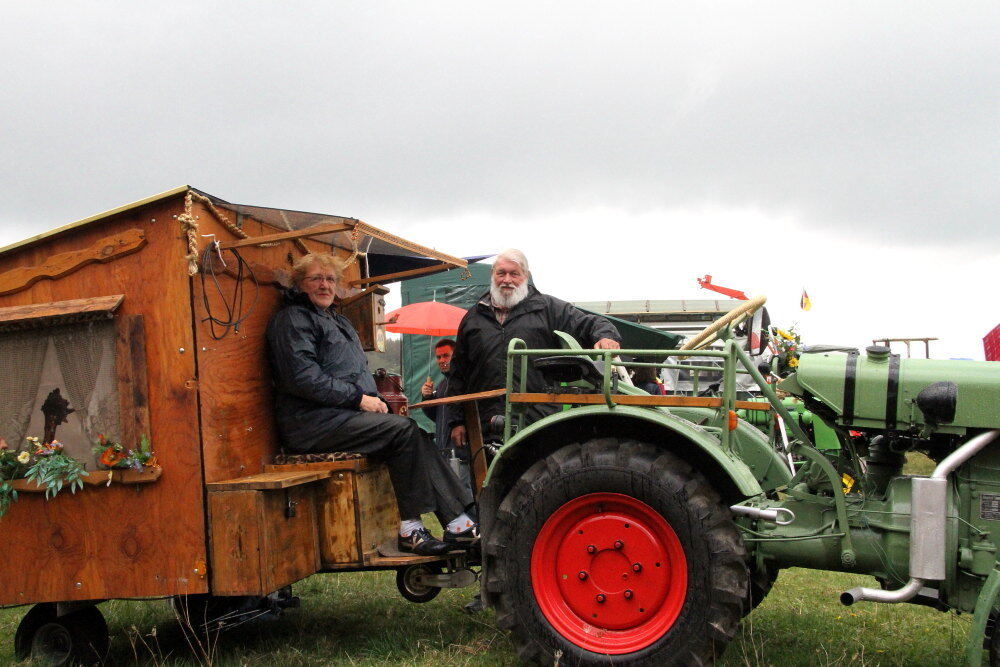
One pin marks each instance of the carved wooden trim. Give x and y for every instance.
(65, 263)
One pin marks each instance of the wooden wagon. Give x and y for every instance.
(149, 321)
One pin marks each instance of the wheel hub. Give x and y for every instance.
(609, 573)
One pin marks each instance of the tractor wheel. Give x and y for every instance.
(615, 551)
(761, 581)
(80, 637)
(410, 588)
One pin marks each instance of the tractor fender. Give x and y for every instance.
(731, 477)
(750, 446)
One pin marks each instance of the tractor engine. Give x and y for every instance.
(935, 537)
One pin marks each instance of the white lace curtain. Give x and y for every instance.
(85, 355)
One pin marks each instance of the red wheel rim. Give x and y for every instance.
(609, 573)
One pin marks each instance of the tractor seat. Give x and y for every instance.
(569, 369)
(284, 459)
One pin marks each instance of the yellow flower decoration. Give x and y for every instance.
(23, 457)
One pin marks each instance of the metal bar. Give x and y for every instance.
(984, 605)
(607, 379)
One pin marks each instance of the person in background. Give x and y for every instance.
(326, 401)
(647, 379)
(443, 351)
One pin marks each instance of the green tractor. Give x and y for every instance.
(637, 529)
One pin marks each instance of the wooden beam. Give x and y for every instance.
(133, 386)
(461, 398)
(389, 277)
(477, 457)
(315, 230)
(65, 263)
(622, 399)
(59, 312)
(269, 481)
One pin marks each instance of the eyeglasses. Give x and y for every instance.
(316, 280)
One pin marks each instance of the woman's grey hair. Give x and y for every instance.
(516, 256)
(325, 260)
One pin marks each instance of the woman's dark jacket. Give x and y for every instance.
(480, 358)
(320, 371)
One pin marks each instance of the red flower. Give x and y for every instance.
(110, 457)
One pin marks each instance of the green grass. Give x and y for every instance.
(360, 619)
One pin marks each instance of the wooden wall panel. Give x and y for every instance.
(119, 541)
(238, 429)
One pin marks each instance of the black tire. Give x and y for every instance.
(37, 616)
(661, 487)
(80, 637)
(761, 582)
(410, 589)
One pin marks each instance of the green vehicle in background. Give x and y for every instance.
(639, 529)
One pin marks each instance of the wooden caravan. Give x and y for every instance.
(149, 321)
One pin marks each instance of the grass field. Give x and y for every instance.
(360, 619)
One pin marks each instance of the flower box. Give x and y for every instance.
(99, 478)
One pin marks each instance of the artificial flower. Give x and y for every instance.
(23, 457)
(111, 457)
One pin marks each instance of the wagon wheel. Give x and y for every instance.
(614, 550)
(80, 637)
(413, 590)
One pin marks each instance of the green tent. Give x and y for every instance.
(447, 287)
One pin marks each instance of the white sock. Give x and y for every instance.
(460, 523)
(407, 526)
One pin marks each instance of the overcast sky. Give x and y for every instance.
(627, 148)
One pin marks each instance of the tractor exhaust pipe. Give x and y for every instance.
(912, 587)
(769, 515)
(928, 512)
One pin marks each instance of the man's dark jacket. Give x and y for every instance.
(442, 421)
(320, 371)
(480, 358)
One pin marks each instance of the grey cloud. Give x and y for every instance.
(881, 122)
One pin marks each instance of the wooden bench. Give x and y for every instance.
(355, 506)
(263, 531)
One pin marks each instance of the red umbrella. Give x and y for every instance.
(430, 318)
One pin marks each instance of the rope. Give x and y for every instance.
(189, 225)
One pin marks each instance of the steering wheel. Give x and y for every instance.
(707, 335)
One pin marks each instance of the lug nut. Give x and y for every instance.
(619, 544)
(637, 567)
(600, 598)
(628, 594)
(591, 549)
(582, 575)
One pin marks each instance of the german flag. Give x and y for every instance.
(805, 303)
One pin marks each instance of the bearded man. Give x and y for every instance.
(514, 309)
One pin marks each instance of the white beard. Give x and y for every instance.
(508, 300)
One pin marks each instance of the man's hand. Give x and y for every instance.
(373, 404)
(459, 437)
(427, 389)
(607, 344)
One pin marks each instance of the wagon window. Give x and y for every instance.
(60, 378)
